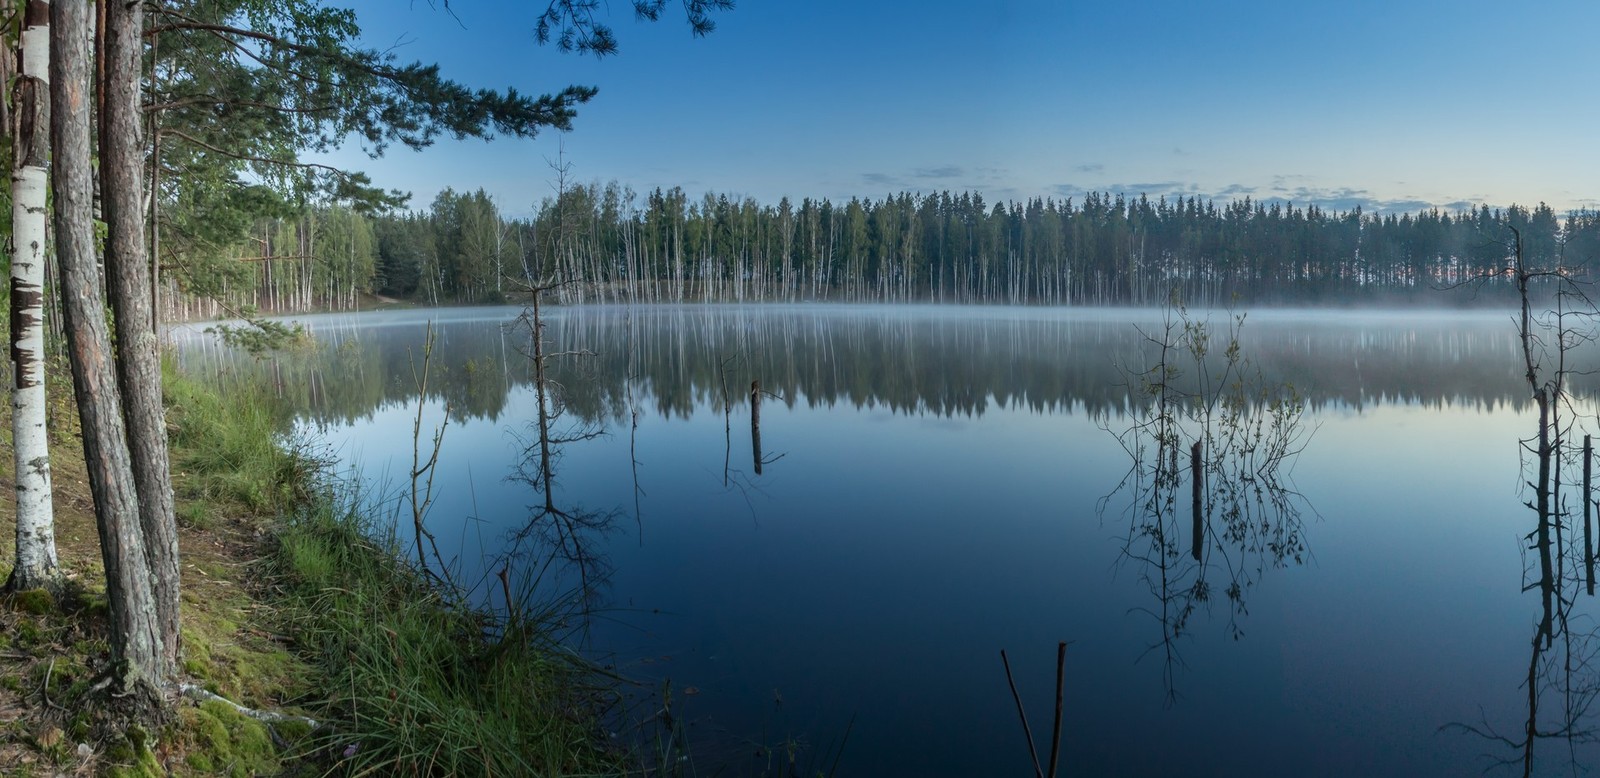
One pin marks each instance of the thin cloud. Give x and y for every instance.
(1090, 168)
(1345, 199)
(1401, 206)
(946, 171)
(1150, 189)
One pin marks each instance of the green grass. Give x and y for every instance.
(231, 453)
(418, 684)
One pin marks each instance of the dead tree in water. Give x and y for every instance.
(422, 473)
(760, 459)
(1561, 661)
(733, 478)
(1197, 479)
(1588, 505)
(1546, 390)
(1245, 517)
(568, 531)
(755, 424)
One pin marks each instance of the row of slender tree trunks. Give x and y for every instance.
(907, 248)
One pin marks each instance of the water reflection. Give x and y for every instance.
(1212, 423)
(1562, 683)
(937, 502)
(571, 535)
(957, 364)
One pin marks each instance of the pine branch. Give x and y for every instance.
(215, 100)
(262, 160)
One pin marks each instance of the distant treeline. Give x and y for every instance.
(667, 247)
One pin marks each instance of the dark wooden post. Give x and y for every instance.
(1061, 680)
(1559, 515)
(1547, 578)
(1196, 476)
(755, 424)
(1588, 505)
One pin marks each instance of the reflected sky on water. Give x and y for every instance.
(932, 494)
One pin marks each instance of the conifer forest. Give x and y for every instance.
(666, 246)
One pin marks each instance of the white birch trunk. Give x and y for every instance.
(36, 565)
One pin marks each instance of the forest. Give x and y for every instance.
(665, 246)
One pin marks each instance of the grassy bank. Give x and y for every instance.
(416, 681)
(292, 604)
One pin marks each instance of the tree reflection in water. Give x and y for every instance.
(958, 363)
(568, 536)
(1562, 682)
(1210, 422)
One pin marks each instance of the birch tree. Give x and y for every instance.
(36, 565)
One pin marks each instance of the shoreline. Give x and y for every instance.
(260, 528)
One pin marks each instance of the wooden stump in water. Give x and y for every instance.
(1197, 477)
(755, 424)
(1588, 542)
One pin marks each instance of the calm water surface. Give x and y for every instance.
(933, 489)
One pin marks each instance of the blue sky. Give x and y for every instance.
(1392, 105)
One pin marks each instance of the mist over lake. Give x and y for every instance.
(929, 485)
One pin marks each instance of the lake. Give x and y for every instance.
(936, 484)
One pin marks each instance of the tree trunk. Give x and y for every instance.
(36, 565)
(546, 467)
(136, 645)
(129, 281)
(755, 425)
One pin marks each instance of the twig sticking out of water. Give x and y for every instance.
(422, 488)
(1022, 714)
(1055, 738)
(1055, 734)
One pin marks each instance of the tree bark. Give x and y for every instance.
(128, 279)
(136, 645)
(36, 565)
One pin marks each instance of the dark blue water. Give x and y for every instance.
(934, 489)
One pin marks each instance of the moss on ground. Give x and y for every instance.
(35, 601)
(228, 742)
